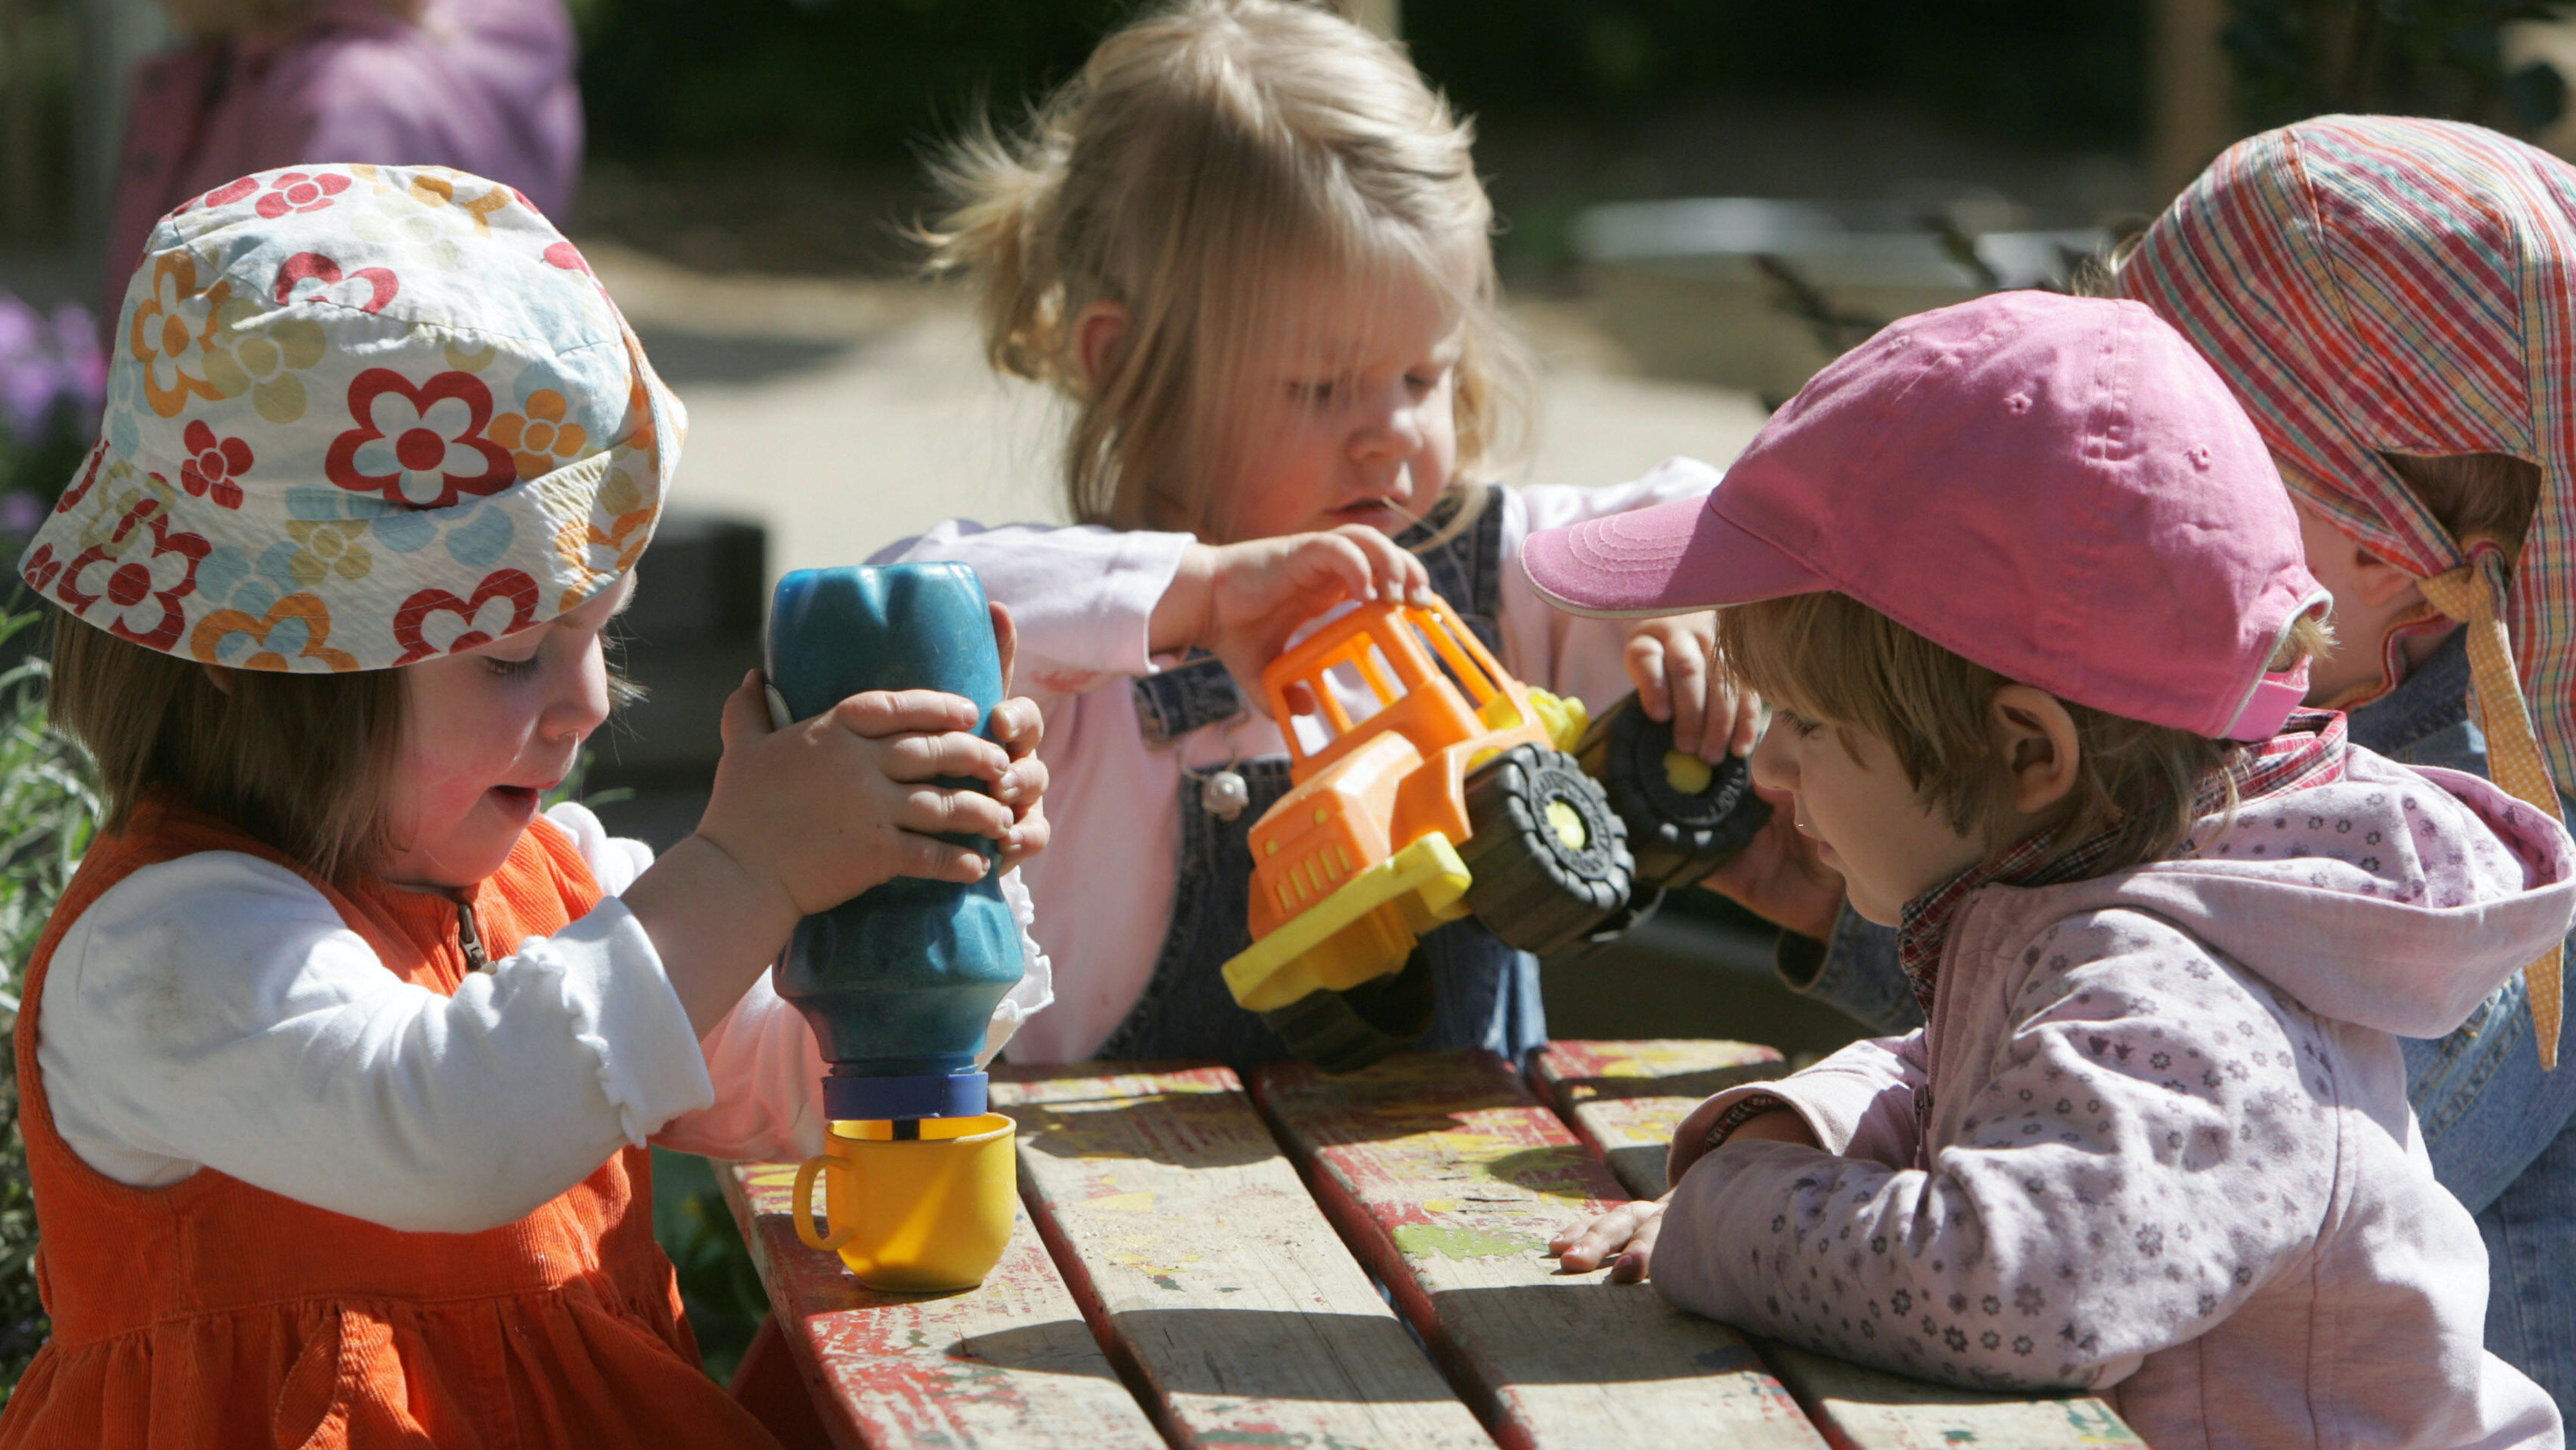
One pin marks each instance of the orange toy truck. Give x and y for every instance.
(1453, 795)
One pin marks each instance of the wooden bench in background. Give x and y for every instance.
(1222, 1245)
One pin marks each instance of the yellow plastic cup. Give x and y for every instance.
(914, 1216)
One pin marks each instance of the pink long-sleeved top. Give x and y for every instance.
(2154, 1140)
(1083, 598)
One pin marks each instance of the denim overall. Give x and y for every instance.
(1485, 994)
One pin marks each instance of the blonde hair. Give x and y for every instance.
(1837, 661)
(1212, 161)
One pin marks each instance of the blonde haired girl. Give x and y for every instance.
(1248, 245)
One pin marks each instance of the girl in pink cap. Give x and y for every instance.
(2394, 301)
(2027, 595)
(1247, 244)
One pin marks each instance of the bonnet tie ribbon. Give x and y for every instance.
(2474, 594)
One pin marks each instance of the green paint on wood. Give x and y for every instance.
(1419, 1239)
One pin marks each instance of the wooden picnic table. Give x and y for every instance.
(1332, 1262)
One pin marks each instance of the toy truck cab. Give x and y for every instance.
(1453, 794)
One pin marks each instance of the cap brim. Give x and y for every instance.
(1669, 559)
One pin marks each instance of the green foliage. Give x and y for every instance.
(717, 1281)
(2298, 58)
(49, 807)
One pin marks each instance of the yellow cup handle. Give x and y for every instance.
(800, 1206)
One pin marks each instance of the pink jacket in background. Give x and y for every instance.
(2154, 1140)
(484, 86)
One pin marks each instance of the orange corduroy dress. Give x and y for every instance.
(212, 1315)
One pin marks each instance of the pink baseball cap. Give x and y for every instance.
(2059, 489)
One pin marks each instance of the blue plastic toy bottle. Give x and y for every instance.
(900, 982)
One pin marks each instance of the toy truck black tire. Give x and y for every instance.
(1674, 837)
(1346, 1031)
(1532, 887)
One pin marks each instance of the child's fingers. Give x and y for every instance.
(1006, 640)
(935, 860)
(1385, 570)
(1716, 721)
(1748, 723)
(1019, 726)
(1637, 1260)
(920, 757)
(1031, 835)
(1686, 677)
(947, 811)
(880, 713)
(1023, 785)
(1645, 661)
(746, 711)
(1344, 556)
(1587, 1246)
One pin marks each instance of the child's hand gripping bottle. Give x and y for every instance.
(900, 982)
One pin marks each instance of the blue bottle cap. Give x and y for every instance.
(882, 1099)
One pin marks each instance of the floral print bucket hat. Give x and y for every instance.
(358, 416)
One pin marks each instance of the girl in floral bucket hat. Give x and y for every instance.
(338, 1055)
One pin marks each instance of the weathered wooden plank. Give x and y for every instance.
(1868, 1409)
(1229, 1298)
(1447, 1178)
(1625, 1098)
(1009, 1364)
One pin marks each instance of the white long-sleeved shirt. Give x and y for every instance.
(1084, 599)
(215, 1011)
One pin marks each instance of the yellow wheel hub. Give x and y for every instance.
(1567, 823)
(1686, 774)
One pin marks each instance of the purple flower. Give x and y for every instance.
(84, 366)
(46, 365)
(29, 376)
(20, 512)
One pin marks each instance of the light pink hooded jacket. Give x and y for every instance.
(2154, 1140)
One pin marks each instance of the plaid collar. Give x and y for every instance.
(2309, 751)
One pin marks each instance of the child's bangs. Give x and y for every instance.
(1834, 660)
(1814, 654)
(1302, 306)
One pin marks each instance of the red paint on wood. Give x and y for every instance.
(1229, 1303)
(1447, 1178)
(1006, 1364)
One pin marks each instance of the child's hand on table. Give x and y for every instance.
(1241, 602)
(1625, 1236)
(1672, 660)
